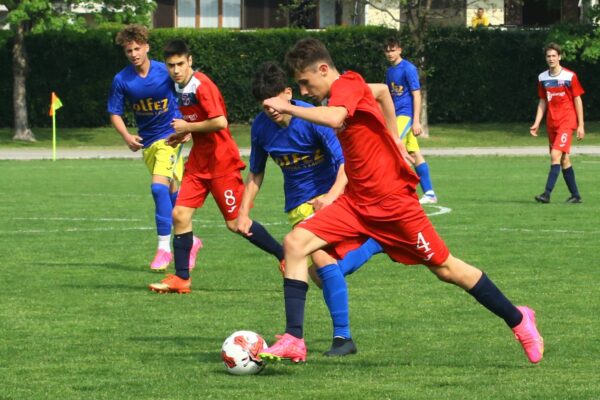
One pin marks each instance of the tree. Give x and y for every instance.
(574, 41)
(416, 16)
(27, 16)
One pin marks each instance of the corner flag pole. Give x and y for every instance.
(55, 104)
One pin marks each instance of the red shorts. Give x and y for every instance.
(398, 223)
(560, 139)
(227, 191)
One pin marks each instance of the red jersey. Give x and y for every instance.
(559, 91)
(373, 163)
(213, 154)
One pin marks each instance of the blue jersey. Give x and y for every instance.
(401, 80)
(152, 99)
(309, 155)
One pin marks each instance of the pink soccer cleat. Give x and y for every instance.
(194, 252)
(161, 261)
(526, 333)
(287, 347)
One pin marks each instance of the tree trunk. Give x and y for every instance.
(424, 111)
(22, 131)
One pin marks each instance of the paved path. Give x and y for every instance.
(112, 152)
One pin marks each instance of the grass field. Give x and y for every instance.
(443, 135)
(79, 323)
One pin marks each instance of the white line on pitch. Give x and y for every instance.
(544, 230)
(77, 219)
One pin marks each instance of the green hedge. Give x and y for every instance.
(483, 75)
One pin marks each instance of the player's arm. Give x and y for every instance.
(416, 125)
(251, 189)
(134, 142)
(384, 99)
(333, 117)
(183, 128)
(334, 192)
(539, 114)
(579, 111)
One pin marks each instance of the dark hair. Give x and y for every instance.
(305, 53)
(176, 47)
(132, 33)
(391, 42)
(553, 46)
(269, 81)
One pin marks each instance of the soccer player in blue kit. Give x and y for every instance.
(311, 160)
(402, 79)
(145, 84)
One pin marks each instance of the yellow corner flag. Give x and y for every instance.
(55, 104)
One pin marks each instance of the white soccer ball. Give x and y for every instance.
(240, 353)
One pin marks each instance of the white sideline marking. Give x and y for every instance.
(441, 210)
(544, 230)
(203, 223)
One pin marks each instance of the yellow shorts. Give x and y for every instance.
(404, 124)
(300, 213)
(160, 158)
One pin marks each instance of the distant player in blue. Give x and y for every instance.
(147, 87)
(402, 79)
(312, 163)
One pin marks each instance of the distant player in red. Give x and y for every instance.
(213, 166)
(560, 99)
(380, 201)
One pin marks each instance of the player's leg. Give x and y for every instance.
(569, 176)
(520, 319)
(335, 294)
(557, 150)
(227, 192)
(421, 168)
(192, 195)
(297, 245)
(160, 164)
(356, 258)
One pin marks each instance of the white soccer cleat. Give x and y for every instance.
(428, 199)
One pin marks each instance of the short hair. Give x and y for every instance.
(132, 33)
(553, 46)
(305, 53)
(269, 81)
(176, 47)
(392, 42)
(480, 9)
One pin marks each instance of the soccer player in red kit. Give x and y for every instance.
(380, 201)
(213, 166)
(560, 93)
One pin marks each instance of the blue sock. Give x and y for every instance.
(489, 296)
(335, 293)
(262, 239)
(182, 244)
(569, 175)
(163, 208)
(174, 197)
(423, 172)
(552, 177)
(356, 258)
(294, 293)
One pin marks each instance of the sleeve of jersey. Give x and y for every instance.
(330, 142)
(116, 98)
(541, 91)
(258, 155)
(346, 93)
(576, 87)
(209, 97)
(413, 78)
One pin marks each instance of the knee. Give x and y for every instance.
(292, 244)
(232, 225)
(179, 217)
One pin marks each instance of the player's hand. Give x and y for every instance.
(320, 202)
(180, 126)
(134, 142)
(174, 139)
(186, 138)
(243, 225)
(580, 133)
(533, 130)
(275, 104)
(417, 128)
(403, 152)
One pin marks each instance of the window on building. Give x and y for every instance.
(209, 13)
